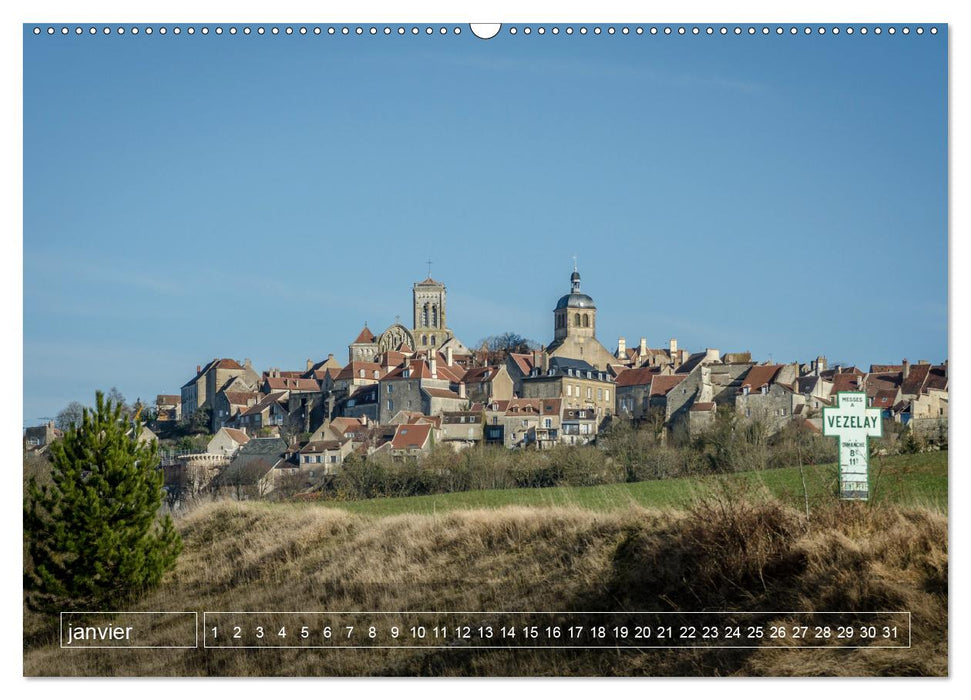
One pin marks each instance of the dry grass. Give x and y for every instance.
(731, 551)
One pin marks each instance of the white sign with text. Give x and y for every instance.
(853, 424)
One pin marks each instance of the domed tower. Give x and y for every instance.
(575, 314)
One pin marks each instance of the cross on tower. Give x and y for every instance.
(853, 424)
(429, 268)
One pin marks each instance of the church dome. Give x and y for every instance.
(575, 300)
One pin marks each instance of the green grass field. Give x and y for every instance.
(918, 479)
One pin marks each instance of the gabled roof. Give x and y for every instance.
(759, 376)
(662, 384)
(241, 398)
(478, 375)
(168, 399)
(693, 361)
(915, 379)
(885, 398)
(318, 446)
(264, 403)
(353, 370)
(410, 436)
(365, 336)
(937, 378)
(420, 369)
(640, 376)
(238, 436)
(703, 406)
(535, 407)
(885, 369)
(806, 385)
(523, 362)
(845, 381)
(292, 384)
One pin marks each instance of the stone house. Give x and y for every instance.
(461, 429)
(361, 404)
(227, 442)
(325, 456)
(633, 388)
(410, 441)
(576, 383)
(421, 386)
(250, 473)
(229, 404)
(200, 391)
(484, 383)
(168, 408)
(269, 412)
(520, 365)
(532, 421)
(765, 396)
(579, 426)
(38, 438)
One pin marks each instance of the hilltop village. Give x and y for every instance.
(403, 390)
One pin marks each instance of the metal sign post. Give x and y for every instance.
(853, 424)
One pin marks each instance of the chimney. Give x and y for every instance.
(330, 356)
(643, 347)
(673, 346)
(247, 364)
(462, 390)
(448, 356)
(621, 347)
(906, 368)
(309, 364)
(364, 419)
(198, 369)
(433, 367)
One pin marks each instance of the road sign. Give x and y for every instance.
(853, 424)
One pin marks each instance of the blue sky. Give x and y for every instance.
(188, 197)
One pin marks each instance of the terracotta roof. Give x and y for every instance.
(536, 407)
(914, 381)
(937, 378)
(237, 435)
(353, 370)
(292, 384)
(283, 373)
(759, 376)
(845, 381)
(265, 403)
(882, 381)
(500, 406)
(365, 336)
(524, 362)
(662, 384)
(226, 363)
(318, 446)
(419, 369)
(241, 398)
(885, 398)
(704, 406)
(477, 375)
(883, 369)
(641, 376)
(410, 436)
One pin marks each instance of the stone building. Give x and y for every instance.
(429, 331)
(576, 382)
(575, 329)
(200, 391)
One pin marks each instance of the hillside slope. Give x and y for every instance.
(729, 552)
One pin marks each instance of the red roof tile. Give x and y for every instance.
(292, 384)
(365, 336)
(238, 436)
(759, 376)
(410, 436)
(662, 384)
(641, 376)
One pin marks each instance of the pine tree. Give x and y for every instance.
(93, 535)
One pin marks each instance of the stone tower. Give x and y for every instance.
(575, 328)
(429, 329)
(575, 314)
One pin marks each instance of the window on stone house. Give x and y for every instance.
(390, 405)
(433, 340)
(606, 394)
(569, 390)
(576, 320)
(319, 459)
